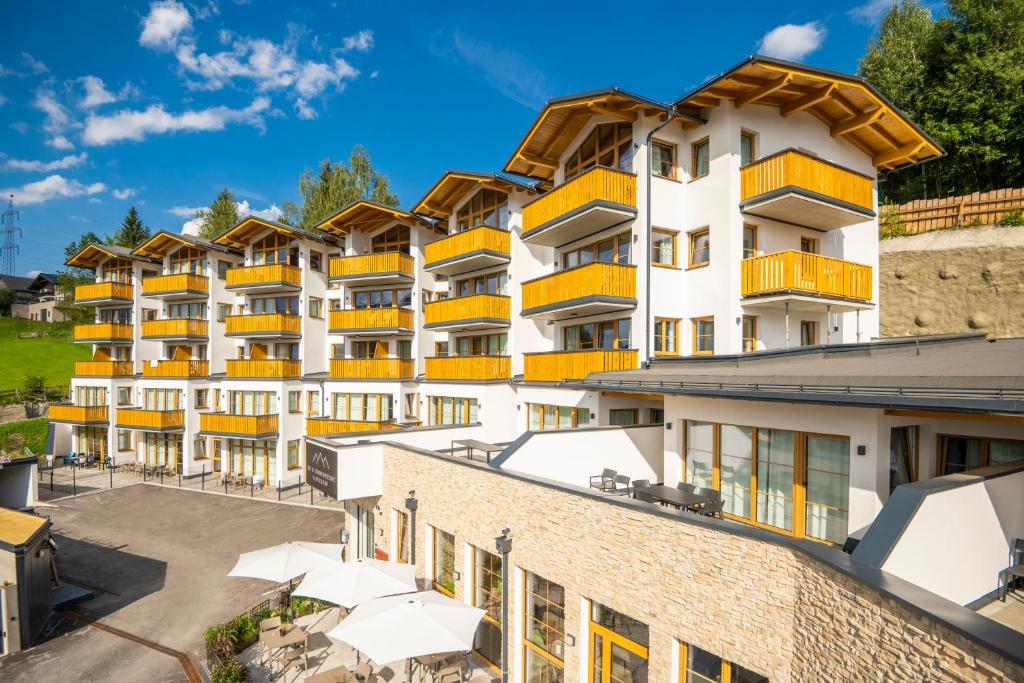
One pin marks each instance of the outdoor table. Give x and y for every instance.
(680, 499)
(286, 637)
(338, 674)
(472, 445)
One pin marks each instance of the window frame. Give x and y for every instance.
(674, 235)
(813, 326)
(295, 402)
(695, 323)
(665, 322)
(317, 303)
(435, 533)
(752, 136)
(749, 253)
(752, 319)
(692, 236)
(674, 151)
(986, 444)
(694, 147)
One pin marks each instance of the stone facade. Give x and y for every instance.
(766, 606)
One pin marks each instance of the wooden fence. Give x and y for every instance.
(980, 208)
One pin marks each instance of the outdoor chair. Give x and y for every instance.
(451, 672)
(289, 659)
(620, 486)
(604, 481)
(1008, 577)
(640, 484)
(363, 671)
(683, 486)
(712, 509)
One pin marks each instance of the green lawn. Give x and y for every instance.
(53, 356)
(34, 432)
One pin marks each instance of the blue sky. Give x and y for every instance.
(160, 104)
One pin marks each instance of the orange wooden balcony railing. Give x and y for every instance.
(555, 366)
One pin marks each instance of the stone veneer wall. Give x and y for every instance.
(767, 607)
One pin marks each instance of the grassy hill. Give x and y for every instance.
(33, 431)
(53, 356)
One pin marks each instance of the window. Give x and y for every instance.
(187, 260)
(395, 238)
(544, 631)
(748, 150)
(486, 207)
(749, 334)
(704, 336)
(902, 456)
(655, 416)
(444, 562)
(124, 439)
(448, 410)
(253, 457)
(362, 407)
(808, 332)
(223, 311)
(493, 283)
(275, 248)
(124, 315)
(161, 449)
(412, 407)
(623, 417)
(441, 349)
(401, 537)
(201, 398)
(338, 350)
(293, 454)
(252, 403)
(608, 144)
(700, 666)
(663, 159)
(749, 240)
(700, 248)
(609, 335)
(663, 247)
(316, 261)
(487, 596)
(382, 298)
(483, 345)
(666, 331)
(312, 403)
(543, 417)
(701, 159)
(316, 307)
(288, 305)
(808, 245)
(222, 269)
(193, 311)
(163, 399)
(124, 396)
(961, 453)
(618, 646)
(613, 249)
(199, 448)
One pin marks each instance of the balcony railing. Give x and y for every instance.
(796, 271)
(104, 368)
(62, 412)
(176, 283)
(370, 319)
(159, 420)
(555, 366)
(793, 168)
(476, 310)
(476, 247)
(255, 426)
(323, 426)
(272, 275)
(392, 264)
(262, 324)
(372, 368)
(177, 368)
(605, 190)
(176, 328)
(608, 285)
(103, 332)
(479, 368)
(264, 369)
(104, 291)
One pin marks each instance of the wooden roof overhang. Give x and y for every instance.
(160, 244)
(251, 227)
(440, 200)
(369, 216)
(563, 119)
(91, 255)
(850, 107)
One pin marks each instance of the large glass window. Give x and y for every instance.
(275, 248)
(701, 159)
(191, 311)
(608, 144)
(188, 260)
(483, 345)
(382, 298)
(828, 487)
(486, 207)
(610, 334)
(618, 647)
(444, 562)
(962, 453)
(487, 596)
(663, 247)
(735, 469)
(700, 441)
(544, 631)
(252, 402)
(163, 399)
(492, 283)
(700, 666)
(402, 539)
(395, 238)
(276, 304)
(902, 456)
(776, 462)
(362, 407)
(663, 159)
(449, 410)
(253, 458)
(543, 417)
(614, 249)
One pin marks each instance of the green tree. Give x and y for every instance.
(334, 186)
(895, 61)
(219, 217)
(7, 296)
(68, 279)
(132, 232)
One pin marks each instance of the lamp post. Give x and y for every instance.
(504, 546)
(410, 505)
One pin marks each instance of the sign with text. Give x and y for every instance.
(322, 469)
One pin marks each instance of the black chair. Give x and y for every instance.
(712, 509)
(1008, 577)
(604, 481)
(683, 486)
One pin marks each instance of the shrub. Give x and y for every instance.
(246, 630)
(1012, 218)
(892, 224)
(34, 387)
(299, 606)
(230, 670)
(220, 642)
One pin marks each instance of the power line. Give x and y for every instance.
(9, 233)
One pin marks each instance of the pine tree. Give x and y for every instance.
(132, 232)
(219, 217)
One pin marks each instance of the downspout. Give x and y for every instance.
(670, 113)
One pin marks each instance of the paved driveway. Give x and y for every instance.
(157, 560)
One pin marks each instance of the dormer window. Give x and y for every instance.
(117, 270)
(609, 145)
(487, 207)
(188, 260)
(395, 238)
(275, 248)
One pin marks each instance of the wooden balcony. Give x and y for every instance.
(104, 368)
(177, 368)
(151, 420)
(810, 280)
(387, 268)
(104, 293)
(795, 187)
(477, 311)
(79, 415)
(323, 426)
(592, 289)
(264, 369)
(272, 277)
(177, 328)
(176, 286)
(372, 321)
(592, 201)
(263, 325)
(555, 366)
(246, 426)
(469, 368)
(472, 249)
(104, 332)
(372, 368)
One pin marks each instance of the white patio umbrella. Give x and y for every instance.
(284, 562)
(406, 626)
(357, 581)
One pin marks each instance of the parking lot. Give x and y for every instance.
(156, 559)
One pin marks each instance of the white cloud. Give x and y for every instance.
(136, 125)
(70, 161)
(57, 117)
(792, 41)
(20, 126)
(51, 187)
(360, 42)
(95, 200)
(271, 213)
(78, 219)
(166, 20)
(126, 193)
(96, 93)
(870, 12)
(34, 66)
(374, 74)
(60, 142)
(185, 211)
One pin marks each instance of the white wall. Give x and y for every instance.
(427, 438)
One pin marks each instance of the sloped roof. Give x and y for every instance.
(91, 255)
(162, 242)
(250, 226)
(368, 216)
(440, 200)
